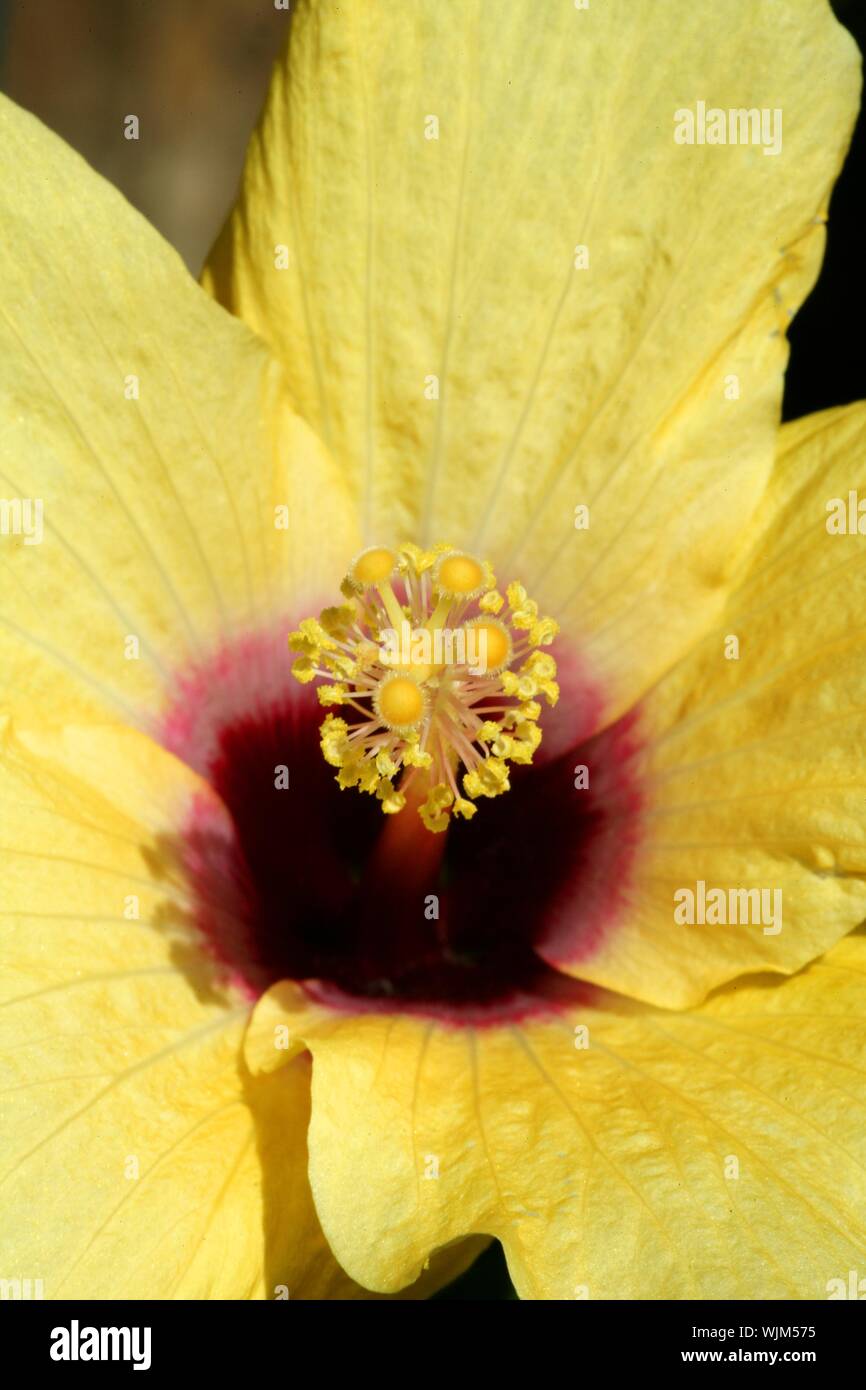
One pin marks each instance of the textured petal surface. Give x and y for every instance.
(716, 1154)
(406, 240)
(750, 755)
(152, 432)
(139, 1158)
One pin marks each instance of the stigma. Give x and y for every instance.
(438, 676)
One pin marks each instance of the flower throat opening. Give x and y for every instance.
(439, 676)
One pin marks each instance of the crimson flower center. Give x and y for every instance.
(293, 877)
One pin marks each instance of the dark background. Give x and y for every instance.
(828, 336)
(195, 74)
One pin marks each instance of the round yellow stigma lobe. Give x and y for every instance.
(400, 703)
(459, 575)
(373, 566)
(492, 643)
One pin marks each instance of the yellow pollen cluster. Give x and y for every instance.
(437, 672)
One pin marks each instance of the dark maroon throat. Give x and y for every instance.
(311, 883)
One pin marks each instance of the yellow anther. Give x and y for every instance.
(340, 665)
(530, 709)
(524, 618)
(334, 739)
(526, 740)
(434, 811)
(490, 778)
(358, 771)
(539, 664)
(304, 645)
(392, 801)
(304, 670)
(520, 686)
(337, 621)
(456, 711)
(385, 765)
(413, 756)
(516, 595)
(313, 630)
(412, 557)
(542, 633)
(367, 654)
(332, 694)
(489, 730)
(491, 602)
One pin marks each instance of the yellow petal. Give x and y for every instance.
(160, 529)
(752, 772)
(717, 1154)
(139, 1158)
(406, 240)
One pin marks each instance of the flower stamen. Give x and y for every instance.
(443, 672)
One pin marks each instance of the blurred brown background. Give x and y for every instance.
(195, 73)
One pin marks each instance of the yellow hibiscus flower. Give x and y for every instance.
(260, 1041)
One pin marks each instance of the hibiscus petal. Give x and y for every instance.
(158, 512)
(716, 1154)
(387, 267)
(139, 1158)
(751, 767)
